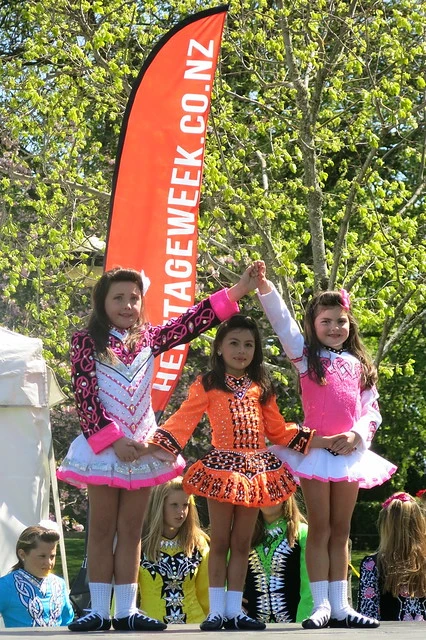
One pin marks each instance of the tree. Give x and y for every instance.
(315, 162)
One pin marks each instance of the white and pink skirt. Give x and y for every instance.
(362, 466)
(82, 467)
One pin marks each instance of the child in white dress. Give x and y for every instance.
(337, 381)
(112, 369)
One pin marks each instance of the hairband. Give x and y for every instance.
(420, 493)
(402, 497)
(346, 302)
(50, 525)
(145, 282)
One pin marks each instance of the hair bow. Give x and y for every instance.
(346, 302)
(402, 497)
(420, 493)
(145, 282)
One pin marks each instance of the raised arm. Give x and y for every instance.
(282, 322)
(203, 316)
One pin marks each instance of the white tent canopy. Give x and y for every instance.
(26, 455)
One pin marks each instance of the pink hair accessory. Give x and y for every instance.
(402, 497)
(420, 493)
(346, 302)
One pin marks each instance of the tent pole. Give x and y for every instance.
(58, 516)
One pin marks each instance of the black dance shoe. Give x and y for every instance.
(213, 622)
(90, 622)
(243, 623)
(319, 620)
(138, 622)
(355, 621)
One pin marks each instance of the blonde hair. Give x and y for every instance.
(190, 535)
(30, 538)
(401, 556)
(291, 513)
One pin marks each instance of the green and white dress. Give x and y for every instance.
(277, 584)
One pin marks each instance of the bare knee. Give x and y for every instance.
(339, 534)
(102, 530)
(240, 543)
(129, 532)
(219, 545)
(319, 534)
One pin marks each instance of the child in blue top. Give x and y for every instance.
(30, 595)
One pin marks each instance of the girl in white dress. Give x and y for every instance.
(112, 369)
(337, 380)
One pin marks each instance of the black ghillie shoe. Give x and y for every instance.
(319, 619)
(90, 622)
(213, 622)
(243, 622)
(355, 621)
(138, 622)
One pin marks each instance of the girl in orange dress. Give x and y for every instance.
(239, 474)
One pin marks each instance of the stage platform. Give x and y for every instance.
(386, 631)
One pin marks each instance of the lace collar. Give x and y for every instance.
(165, 543)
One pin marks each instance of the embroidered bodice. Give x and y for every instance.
(237, 418)
(27, 601)
(113, 396)
(373, 602)
(277, 583)
(175, 587)
(339, 405)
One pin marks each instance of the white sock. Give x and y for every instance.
(338, 594)
(319, 592)
(321, 611)
(125, 600)
(217, 600)
(100, 598)
(234, 601)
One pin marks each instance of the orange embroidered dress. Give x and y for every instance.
(239, 468)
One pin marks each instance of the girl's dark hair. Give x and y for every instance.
(215, 379)
(30, 538)
(353, 344)
(99, 323)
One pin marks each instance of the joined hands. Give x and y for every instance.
(128, 450)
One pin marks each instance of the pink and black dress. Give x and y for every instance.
(113, 399)
(338, 406)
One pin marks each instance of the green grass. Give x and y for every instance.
(74, 550)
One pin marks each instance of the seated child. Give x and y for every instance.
(277, 583)
(173, 576)
(30, 595)
(392, 583)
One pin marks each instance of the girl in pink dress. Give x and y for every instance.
(112, 369)
(339, 397)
